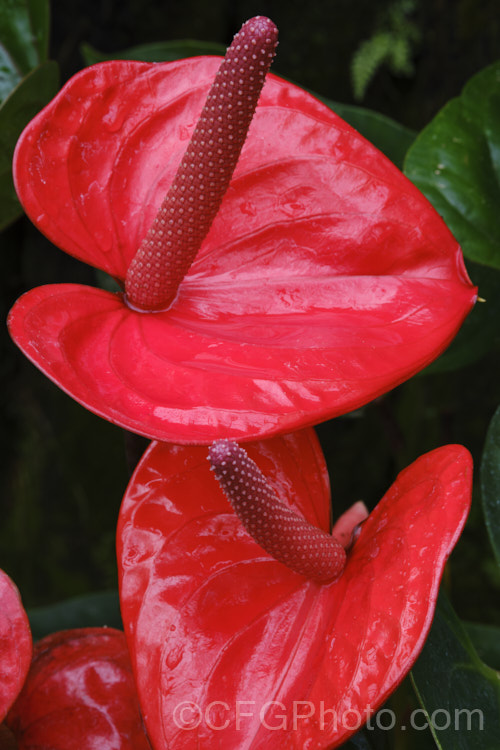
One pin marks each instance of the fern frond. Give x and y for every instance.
(367, 59)
(401, 57)
(392, 45)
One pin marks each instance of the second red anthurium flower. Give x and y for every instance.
(79, 694)
(243, 635)
(16, 645)
(269, 281)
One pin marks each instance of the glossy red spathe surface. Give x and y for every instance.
(15, 644)
(325, 280)
(225, 641)
(79, 695)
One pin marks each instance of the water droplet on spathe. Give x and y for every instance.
(174, 657)
(114, 118)
(248, 208)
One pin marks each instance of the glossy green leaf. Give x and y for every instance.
(155, 52)
(459, 694)
(490, 483)
(455, 161)
(486, 640)
(386, 134)
(24, 35)
(34, 92)
(92, 610)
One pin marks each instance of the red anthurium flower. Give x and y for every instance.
(231, 648)
(314, 279)
(15, 644)
(79, 694)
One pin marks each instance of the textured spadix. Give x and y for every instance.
(196, 193)
(219, 628)
(287, 536)
(325, 280)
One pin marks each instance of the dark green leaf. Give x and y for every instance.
(459, 694)
(388, 136)
(490, 483)
(105, 281)
(158, 52)
(24, 34)
(93, 610)
(486, 640)
(27, 99)
(455, 161)
(39, 12)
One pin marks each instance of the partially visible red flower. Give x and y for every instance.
(15, 644)
(79, 695)
(230, 648)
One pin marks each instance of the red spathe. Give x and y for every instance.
(227, 643)
(325, 280)
(79, 695)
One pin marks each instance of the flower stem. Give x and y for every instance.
(187, 212)
(284, 534)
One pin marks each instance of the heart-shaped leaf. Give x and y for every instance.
(15, 644)
(325, 280)
(79, 695)
(455, 161)
(231, 649)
